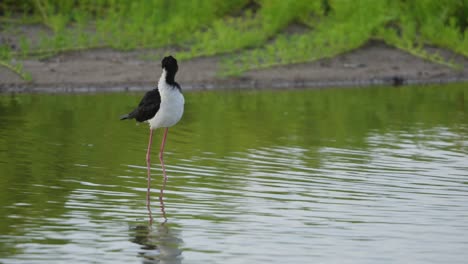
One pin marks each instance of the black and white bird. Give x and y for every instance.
(162, 107)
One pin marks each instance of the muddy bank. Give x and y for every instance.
(108, 70)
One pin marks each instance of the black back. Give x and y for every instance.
(147, 108)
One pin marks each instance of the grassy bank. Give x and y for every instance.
(252, 34)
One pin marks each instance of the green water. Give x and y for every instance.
(374, 175)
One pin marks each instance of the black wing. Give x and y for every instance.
(147, 107)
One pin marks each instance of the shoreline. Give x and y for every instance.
(142, 87)
(106, 70)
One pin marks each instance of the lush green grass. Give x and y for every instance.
(352, 24)
(342, 30)
(253, 34)
(250, 30)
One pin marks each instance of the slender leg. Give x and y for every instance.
(161, 159)
(148, 166)
(161, 152)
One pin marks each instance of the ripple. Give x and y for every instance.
(310, 190)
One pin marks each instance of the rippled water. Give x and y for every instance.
(319, 176)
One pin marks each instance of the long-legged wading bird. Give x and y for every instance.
(161, 108)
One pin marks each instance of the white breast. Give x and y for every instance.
(171, 108)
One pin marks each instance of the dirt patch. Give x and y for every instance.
(109, 70)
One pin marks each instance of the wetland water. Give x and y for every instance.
(312, 176)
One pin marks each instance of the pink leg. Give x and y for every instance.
(148, 165)
(161, 159)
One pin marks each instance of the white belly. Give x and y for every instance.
(171, 109)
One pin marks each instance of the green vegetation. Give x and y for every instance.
(251, 33)
(351, 24)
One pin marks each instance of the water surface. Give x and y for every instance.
(313, 176)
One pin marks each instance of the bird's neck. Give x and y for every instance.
(167, 81)
(168, 77)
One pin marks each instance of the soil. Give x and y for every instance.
(108, 70)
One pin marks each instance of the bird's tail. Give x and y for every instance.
(123, 117)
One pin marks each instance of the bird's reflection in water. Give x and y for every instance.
(159, 243)
(161, 205)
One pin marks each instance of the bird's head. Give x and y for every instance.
(169, 63)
